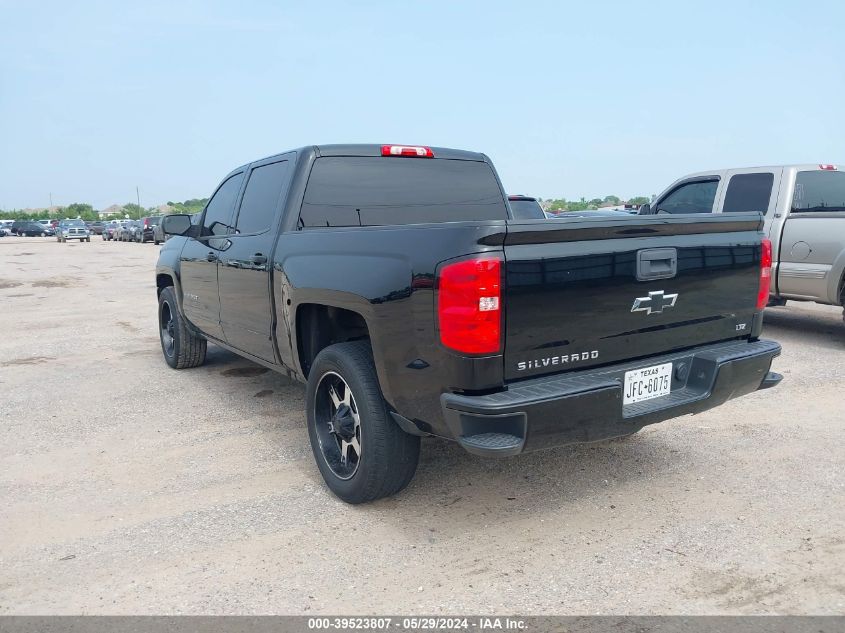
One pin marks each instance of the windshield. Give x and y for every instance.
(527, 210)
(73, 223)
(819, 191)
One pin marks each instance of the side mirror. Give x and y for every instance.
(218, 228)
(176, 224)
(645, 209)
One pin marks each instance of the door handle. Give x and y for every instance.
(211, 257)
(258, 258)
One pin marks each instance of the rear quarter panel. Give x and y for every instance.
(812, 256)
(387, 275)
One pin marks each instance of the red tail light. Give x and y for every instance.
(414, 151)
(765, 274)
(469, 305)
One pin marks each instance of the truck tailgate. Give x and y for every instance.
(584, 292)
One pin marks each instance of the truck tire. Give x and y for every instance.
(842, 302)
(181, 347)
(361, 452)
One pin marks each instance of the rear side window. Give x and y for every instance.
(749, 193)
(693, 197)
(374, 191)
(261, 197)
(819, 191)
(220, 206)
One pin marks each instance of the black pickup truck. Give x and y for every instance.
(394, 281)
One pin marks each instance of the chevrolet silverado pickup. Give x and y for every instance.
(804, 212)
(397, 284)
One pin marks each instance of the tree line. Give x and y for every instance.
(562, 204)
(86, 211)
(195, 205)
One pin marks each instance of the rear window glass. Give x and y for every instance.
(373, 191)
(819, 191)
(749, 193)
(527, 210)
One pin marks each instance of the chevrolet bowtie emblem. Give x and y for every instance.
(654, 303)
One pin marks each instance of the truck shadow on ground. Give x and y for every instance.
(817, 328)
(542, 481)
(450, 479)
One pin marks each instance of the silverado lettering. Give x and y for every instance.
(556, 360)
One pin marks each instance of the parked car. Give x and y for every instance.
(525, 208)
(158, 234)
(148, 225)
(6, 226)
(110, 231)
(96, 228)
(380, 276)
(72, 230)
(32, 229)
(804, 210)
(136, 230)
(125, 232)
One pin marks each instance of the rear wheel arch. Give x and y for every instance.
(317, 326)
(163, 280)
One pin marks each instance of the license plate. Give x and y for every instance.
(647, 383)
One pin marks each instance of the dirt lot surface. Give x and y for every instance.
(128, 487)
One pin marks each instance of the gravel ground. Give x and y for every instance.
(128, 487)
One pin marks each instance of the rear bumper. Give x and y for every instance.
(587, 406)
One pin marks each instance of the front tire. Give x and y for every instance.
(361, 452)
(182, 349)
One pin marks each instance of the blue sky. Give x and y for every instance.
(568, 99)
